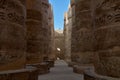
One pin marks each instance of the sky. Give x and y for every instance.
(59, 8)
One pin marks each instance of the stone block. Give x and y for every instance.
(108, 62)
(89, 73)
(50, 63)
(35, 5)
(71, 64)
(107, 37)
(21, 74)
(89, 77)
(78, 70)
(83, 57)
(85, 40)
(43, 68)
(81, 69)
(82, 5)
(34, 14)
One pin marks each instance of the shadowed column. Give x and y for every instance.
(34, 32)
(12, 34)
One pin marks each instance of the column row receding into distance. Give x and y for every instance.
(26, 36)
(92, 38)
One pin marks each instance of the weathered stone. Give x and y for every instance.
(34, 32)
(39, 31)
(67, 33)
(107, 35)
(50, 63)
(89, 73)
(12, 34)
(42, 68)
(51, 34)
(81, 58)
(107, 62)
(82, 35)
(96, 35)
(21, 74)
(98, 77)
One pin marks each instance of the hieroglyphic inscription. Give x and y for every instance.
(12, 15)
(9, 4)
(2, 4)
(112, 15)
(6, 58)
(106, 19)
(11, 12)
(2, 16)
(108, 3)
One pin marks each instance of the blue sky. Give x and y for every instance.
(59, 7)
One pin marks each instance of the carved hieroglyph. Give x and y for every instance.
(107, 34)
(12, 34)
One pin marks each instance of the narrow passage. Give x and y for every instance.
(61, 72)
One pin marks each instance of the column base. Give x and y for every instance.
(89, 73)
(21, 74)
(43, 68)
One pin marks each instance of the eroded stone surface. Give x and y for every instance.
(12, 34)
(107, 33)
(95, 35)
(82, 34)
(39, 30)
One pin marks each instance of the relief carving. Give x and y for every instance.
(107, 3)
(2, 16)
(14, 17)
(106, 19)
(12, 37)
(2, 4)
(112, 15)
(7, 58)
(116, 7)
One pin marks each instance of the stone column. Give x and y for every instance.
(67, 33)
(107, 34)
(34, 32)
(46, 27)
(12, 34)
(51, 34)
(82, 35)
(66, 27)
(72, 3)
